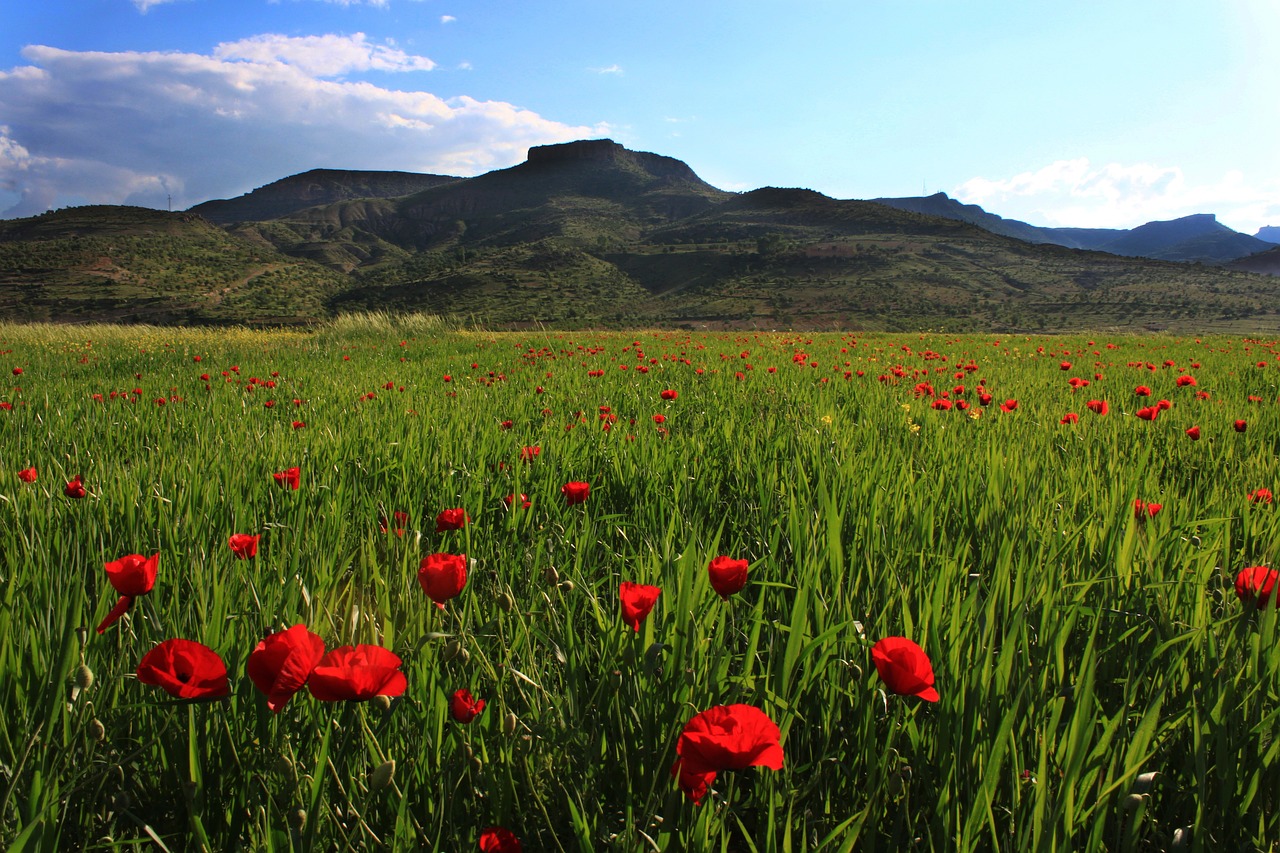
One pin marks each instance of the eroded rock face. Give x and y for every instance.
(608, 151)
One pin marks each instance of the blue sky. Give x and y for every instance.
(1102, 114)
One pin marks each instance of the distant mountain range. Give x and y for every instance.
(1199, 237)
(590, 233)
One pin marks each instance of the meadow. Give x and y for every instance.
(1085, 589)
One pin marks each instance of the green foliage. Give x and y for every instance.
(1101, 685)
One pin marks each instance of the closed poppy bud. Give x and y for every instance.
(75, 488)
(290, 478)
(1193, 433)
(243, 545)
(382, 775)
(442, 576)
(463, 707)
(282, 662)
(637, 600)
(185, 669)
(451, 519)
(27, 475)
(497, 839)
(357, 674)
(727, 575)
(575, 492)
(1240, 426)
(1256, 584)
(904, 668)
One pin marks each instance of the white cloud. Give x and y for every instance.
(1077, 194)
(447, 19)
(609, 69)
(144, 5)
(322, 56)
(132, 127)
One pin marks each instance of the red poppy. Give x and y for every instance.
(985, 399)
(244, 545)
(941, 405)
(463, 707)
(524, 500)
(1143, 510)
(1184, 380)
(1009, 405)
(290, 477)
(282, 662)
(1064, 365)
(1098, 406)
(904, 668)
(1240, 426)
(1256, 584)
(1142, 391)
(27, 475)
(528, 454)
(1193, 433)
(727, 575)
(1164, 405)
(131, 576)
(575, 492)
(725, 737)
(659, 419)
(442, 576)
(17, 371)
(299, 424)
(668, 394)
(1070, 418)
(185, 669)
(1148, 413)
(357, 674)
(75, 488)
(401, 518)
(637, 600)
(451, 519)
(497, 839)
(1261, 496)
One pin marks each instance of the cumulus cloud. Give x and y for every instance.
(134, 127)
(447, 19)
(1075, 193)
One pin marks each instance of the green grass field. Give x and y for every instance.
(1101, 685)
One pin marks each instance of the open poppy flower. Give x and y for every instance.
(668, 394)
(1009, 406)
(1148, 413)
(1098, 407)
(185, 669)
(27, 475)
(442, 576)
(1193, 433)
(637, 600)
(904, 668)
(1260, 496)
(75, 488)
(1070, 418)
(524, 502)
(727, 575)
(400, 517)
(575, 492)
(289, 478)
(1256, 584)
(1240, 426)
(1143, 510)
(528, 454)
(131, 576)
(725, 737)
(451, 519)
(282, 662)
(244, 545)
(497, 839)
(463, 707)
(357, 674)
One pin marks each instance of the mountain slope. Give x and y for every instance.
(316, 187)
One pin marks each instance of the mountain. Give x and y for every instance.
(316, 187)
(1264, 263)
(1199, 237)
(591, 234)
(1270, 233)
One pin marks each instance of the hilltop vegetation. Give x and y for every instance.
(590, 234)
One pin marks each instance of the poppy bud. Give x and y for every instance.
(451, 651)
(567, 586)
(509, 724)
(506, 603)
(284, 765)
(464, 656)
(551, 575)
(298, 820)
(383, 702)
(97, 730)
(381, 775)
(84, 677)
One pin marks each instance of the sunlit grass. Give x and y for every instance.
(1077, 649)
